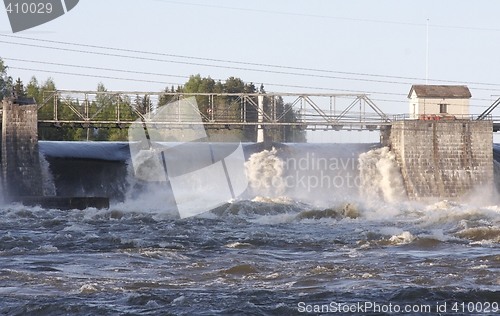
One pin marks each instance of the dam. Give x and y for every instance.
(439, 156)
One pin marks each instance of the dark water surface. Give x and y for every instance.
(288, 254)
(121, 261)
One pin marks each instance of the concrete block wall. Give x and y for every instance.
(21, 172)
(444, 159)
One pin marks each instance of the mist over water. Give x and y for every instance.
(381, 176)
(318, 223)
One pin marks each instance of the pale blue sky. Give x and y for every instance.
(381, 43)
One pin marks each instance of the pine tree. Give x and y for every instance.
(19, 88)
(5, 80)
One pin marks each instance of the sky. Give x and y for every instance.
(378, 47)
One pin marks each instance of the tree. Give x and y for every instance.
(33, 90)
(196, 84)
(105, 107)
(165, 98)
(193, 84)
(235, 85)
(5, 80)
(42, 93)
(143, 104)
(293, 134)
(19, 88)
(225, 107)
(42, 98)
(103, 98)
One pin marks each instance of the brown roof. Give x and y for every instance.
(430, 91)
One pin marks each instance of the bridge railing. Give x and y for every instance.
(122, 108)
(438, 117)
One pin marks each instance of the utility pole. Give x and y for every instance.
(427, 54)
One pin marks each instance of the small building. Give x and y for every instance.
(439, 100)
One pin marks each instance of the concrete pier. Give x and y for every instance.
(444, 159)
(21, 173)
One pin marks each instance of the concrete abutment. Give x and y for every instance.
(21, 172)
(22, 179)
(443, 159)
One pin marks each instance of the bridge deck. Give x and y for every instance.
(310, 111)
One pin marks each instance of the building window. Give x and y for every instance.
(443, 108)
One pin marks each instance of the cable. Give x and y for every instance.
(156, 74)
(204, 65)
(217, 66)
(94, 68)
(243, 63)
(95, 76)
(170, 83)
(329, 17)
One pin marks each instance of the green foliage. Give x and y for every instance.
(19, 88)
(5, 80)
(33, 90)
(44, 97)
(107, 107)
(292, 134)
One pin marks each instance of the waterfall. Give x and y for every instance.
(381, 176)
(48, 185)
(265, 173)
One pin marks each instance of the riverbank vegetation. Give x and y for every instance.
(104, 107)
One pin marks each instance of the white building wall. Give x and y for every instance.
(414, 106)
(457, 107)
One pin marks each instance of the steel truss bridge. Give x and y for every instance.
(230, 110)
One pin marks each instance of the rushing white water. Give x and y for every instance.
(48, 185)
(145, 196)
(381, 176)
(375, 174)
(263, 253)
(265, 173)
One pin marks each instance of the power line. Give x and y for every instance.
(157, 74)
(207, 65)
(151, 81)
(95, 76)
(94, 68)
(329, 16)
(216, 66)
(171, 83)
(200, 64)
(236, 62)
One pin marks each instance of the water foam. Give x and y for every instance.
(381, 176)
(263, 170)
(147, 197)
(48, 186)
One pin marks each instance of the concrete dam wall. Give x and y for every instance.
(21, 171)
(444, 159)
(22, 179)
(438, 159)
